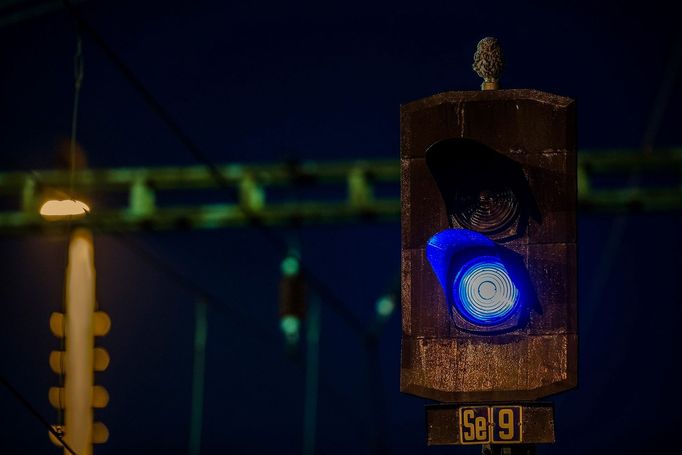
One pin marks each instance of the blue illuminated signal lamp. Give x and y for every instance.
(477, 281)
(483, 291)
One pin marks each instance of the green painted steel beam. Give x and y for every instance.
(325, 192)
(211, 217)
(199, 177)
(616, 161)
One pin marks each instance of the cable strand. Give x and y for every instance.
(15, 393)
(327, 295)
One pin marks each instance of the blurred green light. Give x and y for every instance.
(290, 266)
(385, 306)
(290, 325)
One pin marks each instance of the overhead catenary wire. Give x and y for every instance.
(255, 330)
(325, 293)
(78, 70)
(183, 281)
(15, 393)
(368, 335)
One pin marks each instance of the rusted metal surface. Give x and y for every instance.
(440, 361)
(442, 423)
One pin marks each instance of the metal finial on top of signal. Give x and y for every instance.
(489, 62)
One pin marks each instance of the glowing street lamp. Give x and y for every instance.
(60, 203)
(55, 209)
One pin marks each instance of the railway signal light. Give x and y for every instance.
(488, 202)
(292, 294)
(485, 285)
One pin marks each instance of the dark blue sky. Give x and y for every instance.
(254, 82)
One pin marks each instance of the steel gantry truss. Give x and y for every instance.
(161, 198)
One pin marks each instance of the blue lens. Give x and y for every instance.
(483, 291)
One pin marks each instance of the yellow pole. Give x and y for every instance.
(79, 377)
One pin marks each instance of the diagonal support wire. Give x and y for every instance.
(327, 295)
(24, 402)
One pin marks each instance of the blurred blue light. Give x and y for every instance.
(442, 247)
(483, 291)
(483, 282)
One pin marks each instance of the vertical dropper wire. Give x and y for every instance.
(78, 80)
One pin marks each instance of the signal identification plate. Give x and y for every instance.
(490, 424)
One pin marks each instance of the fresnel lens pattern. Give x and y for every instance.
(483, 291)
